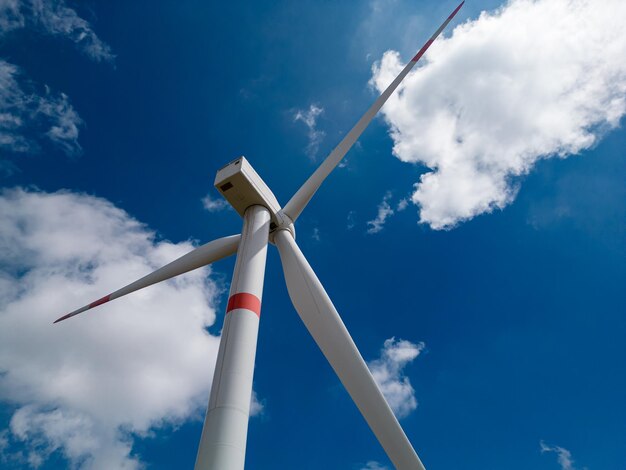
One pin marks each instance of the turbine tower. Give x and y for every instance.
(223, 441)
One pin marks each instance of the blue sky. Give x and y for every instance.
(473, 241)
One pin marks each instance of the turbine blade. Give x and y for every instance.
(325, 325)
(301, 198)
(201, 256)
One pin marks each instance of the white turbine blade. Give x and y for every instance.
(201, 256)
(302, 197)
(323, 322)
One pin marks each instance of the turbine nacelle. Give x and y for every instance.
(242, 187)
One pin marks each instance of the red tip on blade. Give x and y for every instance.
(456, 10)
(434, 36)
(420, 53)
(64, 317)
(101, 301)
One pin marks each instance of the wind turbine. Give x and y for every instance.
(223, 442)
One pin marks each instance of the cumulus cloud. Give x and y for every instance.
(28, 118)
(535, 79)
(384, 212)
(85, 388)
(309, 118)
(214, 205)
(55, 18)
(564, 456)
(388, 371)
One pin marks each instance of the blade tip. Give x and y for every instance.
(64, 317)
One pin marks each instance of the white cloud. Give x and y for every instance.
(534, 79)
(350, 220)
(564, 456)
(309, 118)
(256, 406)
(27, 118)
(373, 465)
(10, 16)
(214, 205)
(57, 18)
(54, 17)
(388, 371)
(86, 387)
(64, 123)
(384, 212)
(402, 204)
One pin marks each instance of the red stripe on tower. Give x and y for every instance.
(244, 300)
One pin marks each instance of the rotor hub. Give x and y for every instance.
(281, 221)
